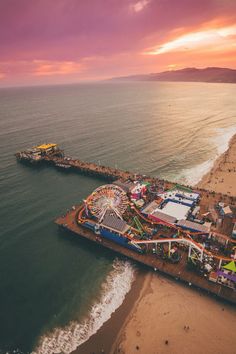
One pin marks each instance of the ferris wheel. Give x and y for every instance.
(107, 197)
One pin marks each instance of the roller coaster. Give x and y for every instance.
(186, 240)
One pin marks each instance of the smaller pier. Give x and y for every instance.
(39, 153)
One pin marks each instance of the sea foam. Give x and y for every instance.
(113, 291)
(193, 175)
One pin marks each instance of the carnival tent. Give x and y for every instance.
(230, 266)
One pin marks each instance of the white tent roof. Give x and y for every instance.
(178, 211)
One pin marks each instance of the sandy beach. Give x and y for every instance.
(174, 319)
(222, 177)
(160, 315)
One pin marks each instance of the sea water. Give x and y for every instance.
(57, 290)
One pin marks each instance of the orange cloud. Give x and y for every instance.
(48, 68)
(27, 72)
(172, 66)
(209, 39)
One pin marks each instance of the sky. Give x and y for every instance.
(68, 41)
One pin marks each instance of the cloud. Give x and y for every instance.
(140, 5)
(70, 39)
(70, 29)
(172, 66)
(207, 38)
(48, 68)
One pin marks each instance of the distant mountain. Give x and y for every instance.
(210, 74)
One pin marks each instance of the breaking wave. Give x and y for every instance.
(193, 175)
(114, 289)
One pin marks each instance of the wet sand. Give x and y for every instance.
(160, 315)
(222, 177)
(103, 340)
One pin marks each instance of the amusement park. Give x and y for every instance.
(167, 225)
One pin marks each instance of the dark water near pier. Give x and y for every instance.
(56, 290)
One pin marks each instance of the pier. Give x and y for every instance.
(177, 271)
(58, 160)
(89, 168)
(153, 222)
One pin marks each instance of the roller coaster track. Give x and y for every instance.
(184, 240)
(177, 228)
(187, 241)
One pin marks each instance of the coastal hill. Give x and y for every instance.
(211, 74)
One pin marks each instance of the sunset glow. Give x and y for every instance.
(56, 68)
(71, 40)
(216, 37)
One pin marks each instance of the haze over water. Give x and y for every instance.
(53, 280)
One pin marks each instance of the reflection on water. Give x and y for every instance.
(173, 130)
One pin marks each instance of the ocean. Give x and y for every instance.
(57, 290)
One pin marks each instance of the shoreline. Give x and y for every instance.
(120, 334)
(103, 340)
(221, 177)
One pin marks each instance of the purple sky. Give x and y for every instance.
(56, 41)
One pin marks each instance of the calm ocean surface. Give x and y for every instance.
(56, 290)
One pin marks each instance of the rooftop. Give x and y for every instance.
(111, 221)
(178, 194)
(176, 210)
(46, 146)
(158, 214)
(194, 226)
(151, 207)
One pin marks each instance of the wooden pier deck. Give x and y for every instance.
(178, 271)
(90, 168)
(111, 174)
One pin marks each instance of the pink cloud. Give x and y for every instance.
(46, 38)
(49, 68)
(139, 5)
